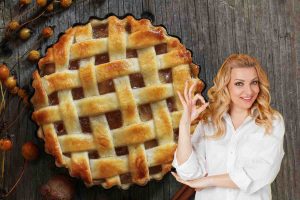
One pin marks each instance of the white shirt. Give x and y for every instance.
(250, 157)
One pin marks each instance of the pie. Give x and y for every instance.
(105, 100)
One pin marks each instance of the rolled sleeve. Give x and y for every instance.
(240, 178)
(192, 168)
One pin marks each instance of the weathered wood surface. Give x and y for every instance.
(212, 30)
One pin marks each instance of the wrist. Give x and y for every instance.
(209, 181)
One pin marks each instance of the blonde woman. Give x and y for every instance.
(236, 149)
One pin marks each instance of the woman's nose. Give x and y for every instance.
(248, 90)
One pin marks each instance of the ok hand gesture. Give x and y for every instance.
(190, 109)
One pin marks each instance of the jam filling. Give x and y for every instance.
(74, 65)
(176, 134)
(100, 31)
(131, 53)
(93, 155)
(136, 80)
(60, 128)
(155, 170)
(125, 178)
(165, 75)
(67, 155)
(161, 49)
(145, 112)
(85, 124)
(101, 58)
(77, 93)
(53, 99)
(128, 28)
(120, 151)
(106, 87)
(114, 119)
(150, 144)
(48, 69)
(171, 104)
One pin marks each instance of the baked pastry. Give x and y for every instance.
(105, 100)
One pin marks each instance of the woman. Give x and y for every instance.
(237, 147)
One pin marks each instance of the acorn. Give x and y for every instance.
(13, 25)
(10, 82)
(33, 56)
(4, 72)
(65, 3)
(47, 32)
(41, 3)
(30, 151)
(25, 33)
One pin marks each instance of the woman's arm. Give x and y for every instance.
(190, 112)
(222, 180)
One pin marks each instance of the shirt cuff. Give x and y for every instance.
(240, 178)
(190, 169)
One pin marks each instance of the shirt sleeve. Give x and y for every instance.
(262, 170)
(194, 166)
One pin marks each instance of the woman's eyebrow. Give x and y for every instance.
(244, 80)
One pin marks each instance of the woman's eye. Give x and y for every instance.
(238, 84)
(255, 82)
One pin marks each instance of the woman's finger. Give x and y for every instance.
(191, 90)
(181, 99)
(186, 92)
(198, 97)
(202, 108)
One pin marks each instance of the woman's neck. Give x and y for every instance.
(238, 113)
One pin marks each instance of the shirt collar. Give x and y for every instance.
(253, 114)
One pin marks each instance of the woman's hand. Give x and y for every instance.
(190, 109)
(198, 184)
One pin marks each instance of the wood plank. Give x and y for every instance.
(212, 30)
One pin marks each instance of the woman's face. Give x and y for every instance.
(243, 87)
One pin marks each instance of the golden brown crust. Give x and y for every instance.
(88, 144)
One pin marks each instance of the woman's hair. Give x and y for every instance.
(219, 97)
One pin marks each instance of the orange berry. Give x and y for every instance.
(25, 2)
(10, 82)
(47, 32)
(34, 55)
(41, 3)
(5, 144)
(4, 72)
(65, 3)
(25, 33)
(13, 25)
(30, 151)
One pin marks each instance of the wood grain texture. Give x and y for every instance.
(212, 29)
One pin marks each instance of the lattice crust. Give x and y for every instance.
(105, 100)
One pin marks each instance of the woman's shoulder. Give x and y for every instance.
(277, 119)
(278, 127)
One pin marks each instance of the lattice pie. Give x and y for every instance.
(105, 100)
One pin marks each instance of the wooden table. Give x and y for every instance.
(212, 30)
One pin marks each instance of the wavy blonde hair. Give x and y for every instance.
(219, 97)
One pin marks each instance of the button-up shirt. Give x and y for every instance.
(251, 157)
